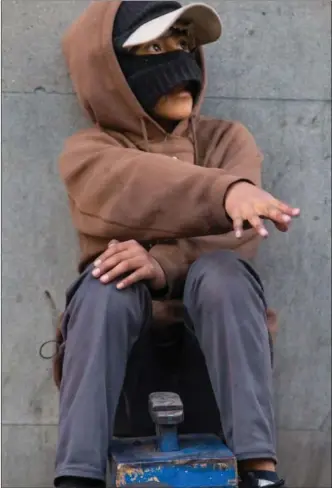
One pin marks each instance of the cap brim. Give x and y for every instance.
(206, 22)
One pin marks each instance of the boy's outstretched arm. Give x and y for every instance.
(122, 193)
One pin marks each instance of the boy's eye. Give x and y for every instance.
(155, 48)
(184, 44)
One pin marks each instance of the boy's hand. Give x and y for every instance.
(246, 202)
(129, 257)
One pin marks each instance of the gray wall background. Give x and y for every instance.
(271, 70)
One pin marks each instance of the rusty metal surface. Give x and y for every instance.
(202, 461)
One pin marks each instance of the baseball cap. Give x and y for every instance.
(204, 19)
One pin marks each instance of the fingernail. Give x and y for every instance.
(98, 262)
(96, 272)
(104, 279)
(286, 218)
(264, 233)
(238, 234)
(120, 286)
(296, 211)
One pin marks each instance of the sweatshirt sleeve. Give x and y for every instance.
(123, 193)
(241, 157)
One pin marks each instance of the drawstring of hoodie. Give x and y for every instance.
(192, 124)
(145, 135)
(194, 135)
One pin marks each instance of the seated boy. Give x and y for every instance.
(169, 211)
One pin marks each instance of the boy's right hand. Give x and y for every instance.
(246, 202)
(132, 259)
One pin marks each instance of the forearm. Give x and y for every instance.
(128, 194)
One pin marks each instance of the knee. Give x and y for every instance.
(216, 268)
(134, 303)
(216, 275)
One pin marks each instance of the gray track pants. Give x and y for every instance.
(224, 301)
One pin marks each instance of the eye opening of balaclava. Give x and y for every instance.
(151, 77)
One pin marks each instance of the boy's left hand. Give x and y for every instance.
(129, 257)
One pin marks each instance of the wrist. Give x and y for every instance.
(229, 190)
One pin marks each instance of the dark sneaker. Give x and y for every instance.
(75, 482)
(250, 480)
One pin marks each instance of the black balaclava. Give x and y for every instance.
(151, 77)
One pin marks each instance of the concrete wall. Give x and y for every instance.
(272, 71)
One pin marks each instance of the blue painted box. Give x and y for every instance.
(201, 461)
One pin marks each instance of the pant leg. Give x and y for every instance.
(100, 327)
(225, 304)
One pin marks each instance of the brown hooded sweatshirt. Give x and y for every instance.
(127, 178)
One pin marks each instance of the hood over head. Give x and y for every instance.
(98, 81)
